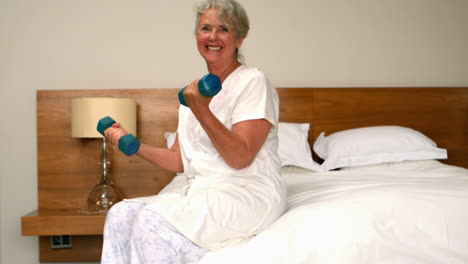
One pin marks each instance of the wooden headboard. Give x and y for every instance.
(68, 168)
(439, 113)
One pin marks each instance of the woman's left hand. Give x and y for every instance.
(194, 98)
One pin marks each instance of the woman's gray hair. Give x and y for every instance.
(231, 13)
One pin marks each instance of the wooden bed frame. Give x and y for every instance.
(68, 167)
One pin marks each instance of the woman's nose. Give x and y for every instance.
(213, 35)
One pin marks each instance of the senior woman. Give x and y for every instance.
(225, 153)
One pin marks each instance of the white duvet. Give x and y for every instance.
(405, 213)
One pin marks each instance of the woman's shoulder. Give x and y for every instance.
(248, 72)
(246, 69)
(247, 78)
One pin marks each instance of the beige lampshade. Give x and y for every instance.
(86, 113)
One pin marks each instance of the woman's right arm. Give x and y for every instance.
(168, 159)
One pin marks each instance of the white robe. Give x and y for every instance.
(211, 203)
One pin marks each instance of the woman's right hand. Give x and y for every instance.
(114, 134)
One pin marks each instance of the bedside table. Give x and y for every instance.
(85, 231)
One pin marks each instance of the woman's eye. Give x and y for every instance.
(205, 29)
(224, 29)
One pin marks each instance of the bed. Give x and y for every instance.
(346, 204)
(400, 211)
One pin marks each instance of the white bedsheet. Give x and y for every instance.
(406, 213)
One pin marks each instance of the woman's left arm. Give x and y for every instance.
(238, 146)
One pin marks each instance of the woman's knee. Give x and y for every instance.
(123, 211)
(144, 219)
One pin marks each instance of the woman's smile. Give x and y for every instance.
(214, 48)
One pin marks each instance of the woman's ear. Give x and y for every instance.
(239, 42)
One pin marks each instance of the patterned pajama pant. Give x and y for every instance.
(137, 235)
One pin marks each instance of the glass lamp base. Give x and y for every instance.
(102, 197)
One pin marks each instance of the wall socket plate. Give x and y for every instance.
(61, 242)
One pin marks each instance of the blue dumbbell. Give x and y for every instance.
(209, 85)
(128, 144)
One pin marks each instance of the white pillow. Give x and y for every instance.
(293, 148)
(170, 138)
(373, 145)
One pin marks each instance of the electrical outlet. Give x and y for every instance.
(61, 242)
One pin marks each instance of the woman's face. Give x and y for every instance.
(215, 41)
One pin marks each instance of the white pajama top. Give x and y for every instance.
(211, 203)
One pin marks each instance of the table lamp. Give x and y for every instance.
(86, 113)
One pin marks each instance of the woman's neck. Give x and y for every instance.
(223, 71)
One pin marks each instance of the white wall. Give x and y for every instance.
(89, 44)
